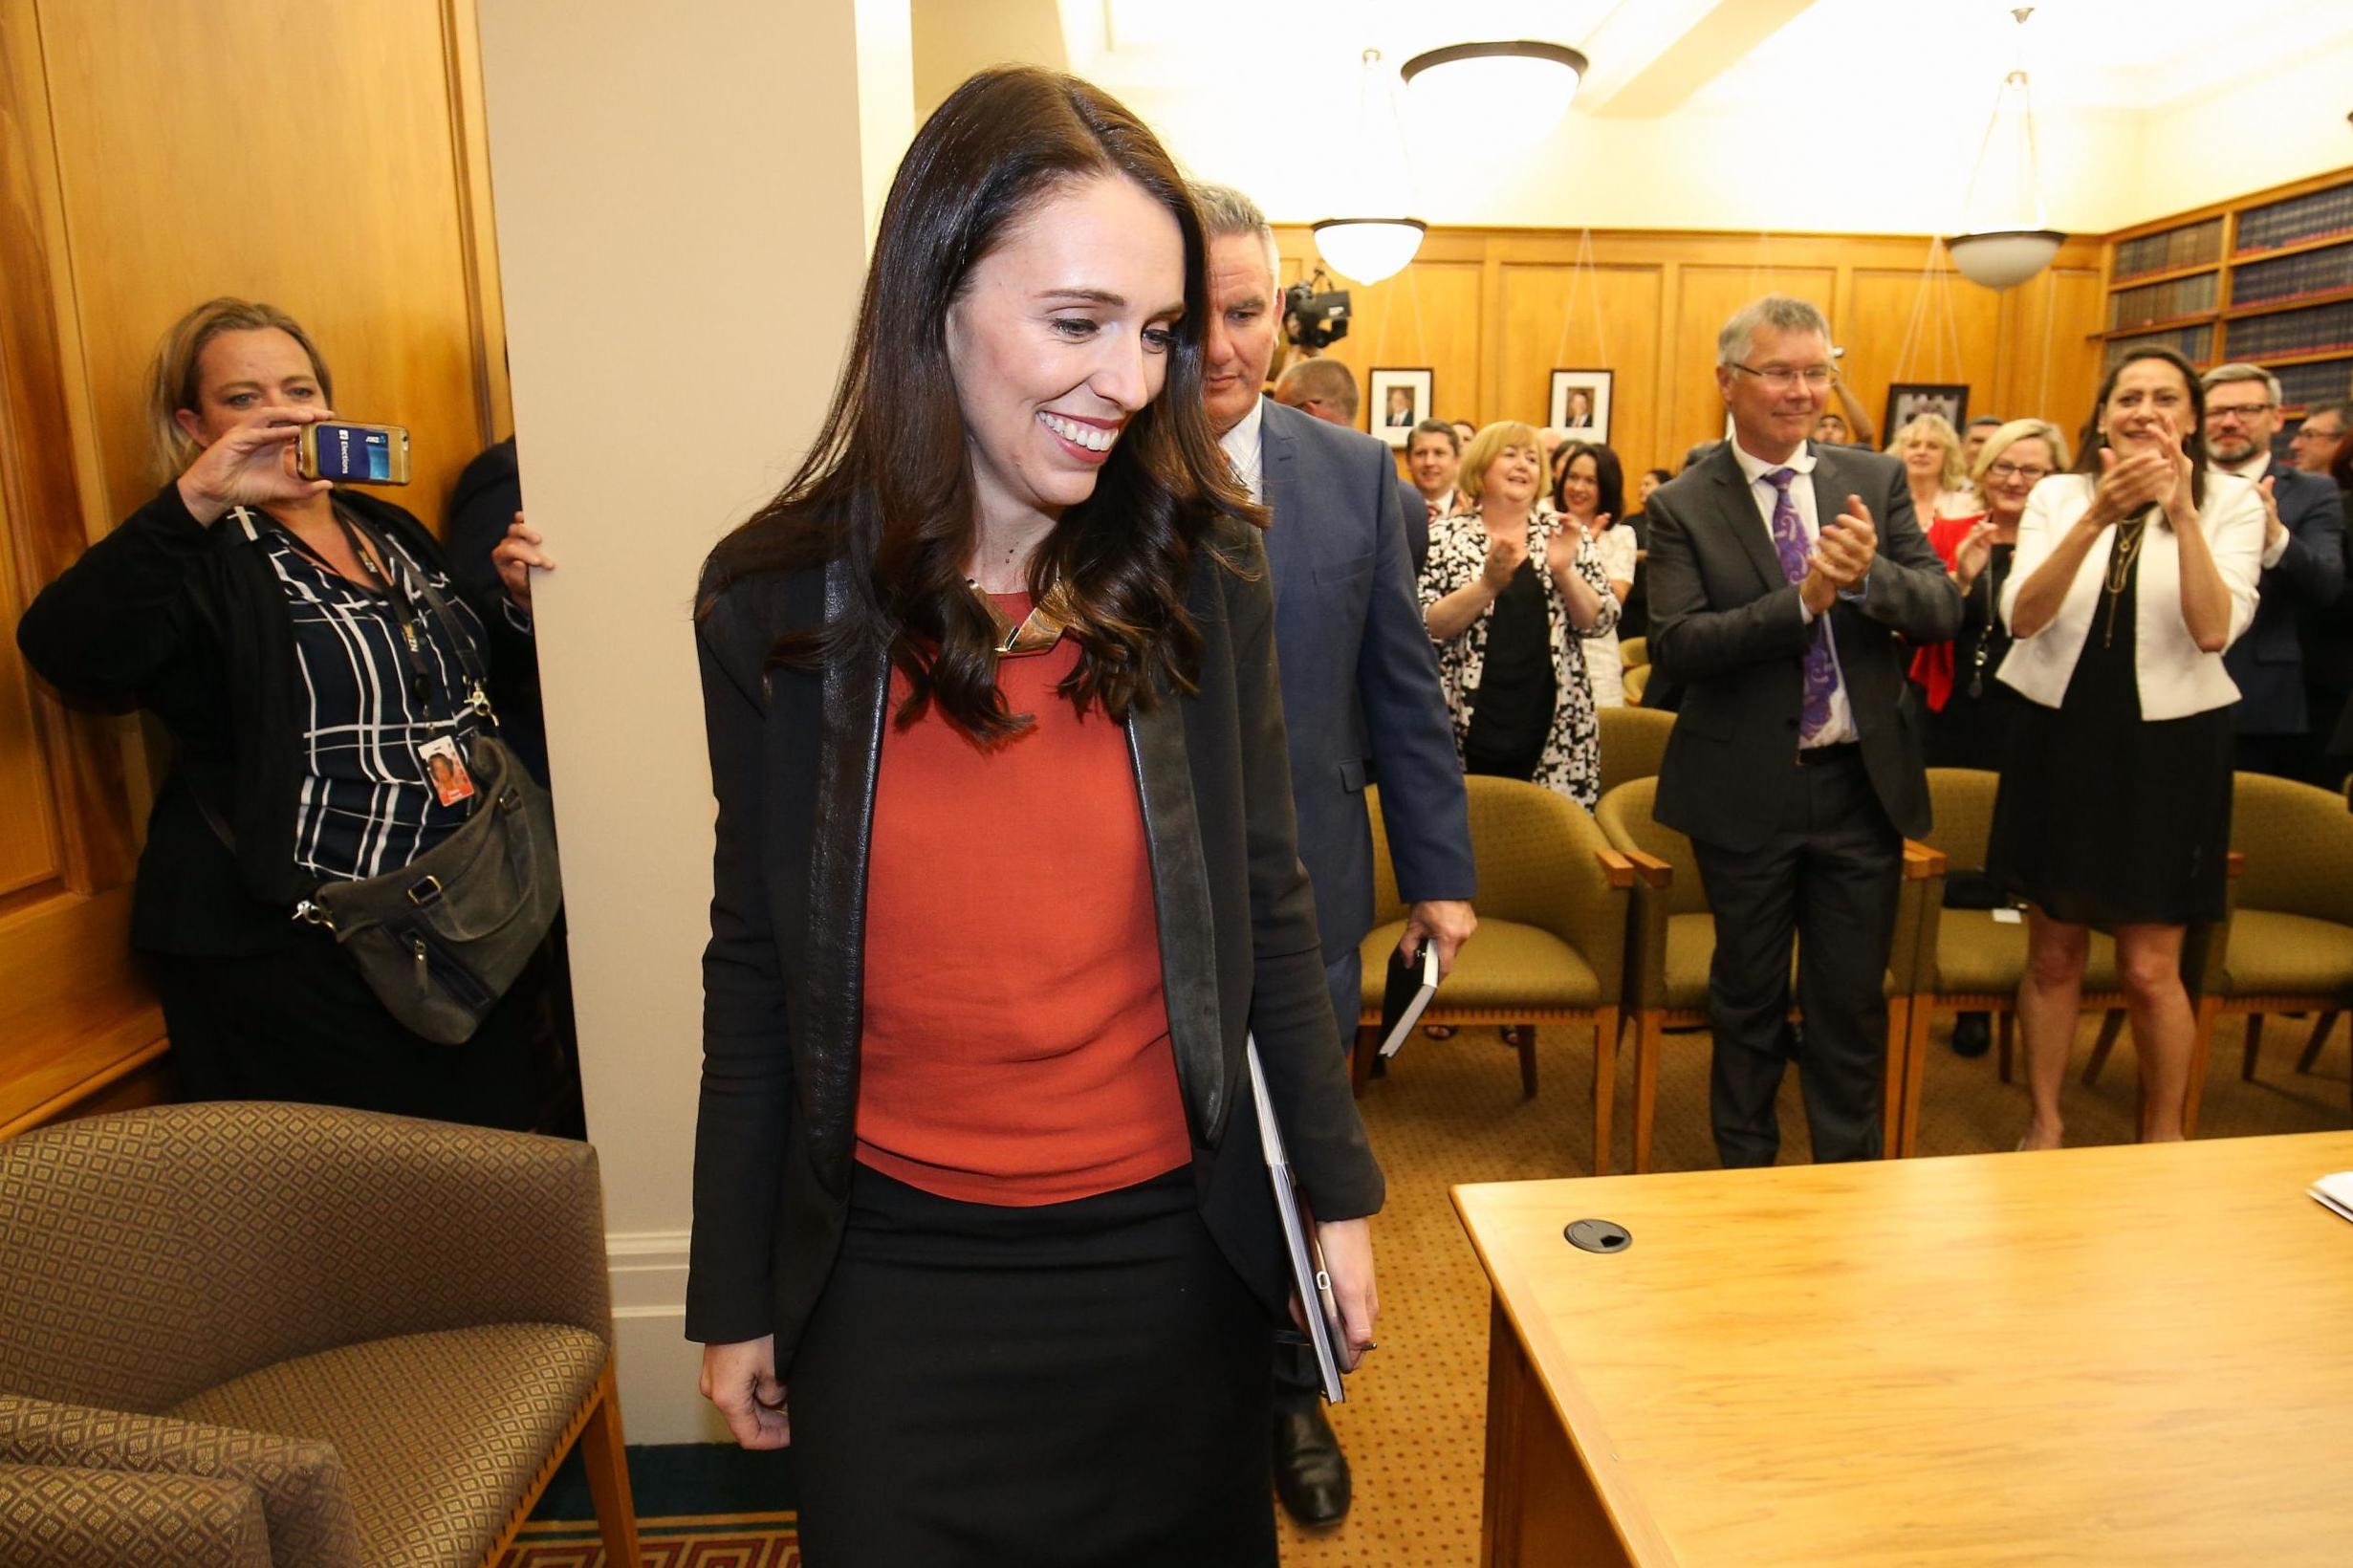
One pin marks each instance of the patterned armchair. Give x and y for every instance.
(253, 1334)
(1551, 945)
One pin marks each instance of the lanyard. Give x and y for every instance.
(413, 598)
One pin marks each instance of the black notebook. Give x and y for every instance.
(1412, 982)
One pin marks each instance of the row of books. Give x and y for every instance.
(2195, 344)
(2311, 216)
(2163, 301)
(2192, 245)
(2322, 381)
(2293, 277)
(2308, 331)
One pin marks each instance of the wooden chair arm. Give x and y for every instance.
(2234, 865)
(1654, 872)
(1616, 867)
(1922, 862)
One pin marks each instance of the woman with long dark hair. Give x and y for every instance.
(2131, 577)
(1005, 875)
(1589, 496)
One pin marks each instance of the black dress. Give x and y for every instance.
(1517, 684)
(1971, 729)
(2105, 817)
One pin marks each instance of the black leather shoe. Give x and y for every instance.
(1310, 1474)
(1973, 1033)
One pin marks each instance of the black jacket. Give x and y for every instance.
(1725, 625)
(794, 758)
(189, 621)
(2267, 661)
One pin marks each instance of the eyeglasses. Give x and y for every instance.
(2006, 470)
(2308, 432)
(1781, 378)
(2239, 410)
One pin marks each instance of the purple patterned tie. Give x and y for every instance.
(1788, 543)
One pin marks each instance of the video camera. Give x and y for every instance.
(1313, 319)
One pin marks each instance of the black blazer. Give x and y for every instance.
(1727, 626)
(189, 622)
(793, 757)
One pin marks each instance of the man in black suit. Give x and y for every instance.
(2304, 571)
(1784, 576)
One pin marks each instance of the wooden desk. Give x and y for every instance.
(2129, 1354)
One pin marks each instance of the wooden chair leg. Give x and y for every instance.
(1361, 1059)
(2254, 1045)
(1895, 1074)
(1648, 1030)
(2005, 1033)
(2110, 1027)
(607, 1463)
(2312, 1046)
(2201, 1050)
(1915, 1074)
(1604, 1082)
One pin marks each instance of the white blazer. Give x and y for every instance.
(2176, 677)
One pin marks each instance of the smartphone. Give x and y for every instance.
(357, 454)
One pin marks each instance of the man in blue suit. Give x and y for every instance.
(1360, 698)
(2304, 571)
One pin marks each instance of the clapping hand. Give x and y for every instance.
(2272, 526)
(1842, 556)
(1505, 552)
(252, 466)
(1976, 548)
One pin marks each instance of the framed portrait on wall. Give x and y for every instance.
(1398, 399)
(1907, 401)
(1579, 403)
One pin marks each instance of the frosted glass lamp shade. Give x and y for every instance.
(1368, 250)
(1513, 93)
(2003, 258)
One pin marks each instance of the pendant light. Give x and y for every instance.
(1369, 250)
(1516, 93)
(2017, 244)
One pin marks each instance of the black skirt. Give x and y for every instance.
(2105, 817)
(1081, 1384)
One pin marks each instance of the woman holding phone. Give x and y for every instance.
(268, 621)
(2131, 577)
(1004, 876)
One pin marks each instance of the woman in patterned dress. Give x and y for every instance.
(1504, 589)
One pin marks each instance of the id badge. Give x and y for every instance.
(445, 768)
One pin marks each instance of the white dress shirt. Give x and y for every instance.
(1243, 446)
(1840, 726)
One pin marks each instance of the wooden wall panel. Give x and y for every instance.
(1945, 332)
(1598, 320)
(1664, 294)
(305, 157)
(29, 853)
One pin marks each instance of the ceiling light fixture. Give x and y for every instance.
(2016, 244)
(1368, 250)
(1515, 93)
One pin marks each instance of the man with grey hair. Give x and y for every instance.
(1789, 583)
(1361, 700)
(1323, 390)
(2304, 571)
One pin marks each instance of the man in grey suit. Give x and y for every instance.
(1361, 700)
(1784, 577)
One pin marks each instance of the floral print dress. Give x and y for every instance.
(1571, 757)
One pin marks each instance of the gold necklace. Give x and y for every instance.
(1037, 632)
(2121, 557)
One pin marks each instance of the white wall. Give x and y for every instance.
(682, 234)
(2287, 124)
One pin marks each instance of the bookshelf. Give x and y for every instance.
(2267, 278)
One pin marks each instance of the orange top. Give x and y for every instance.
(1016, 1046)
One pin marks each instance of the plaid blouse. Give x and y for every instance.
(366, 806)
